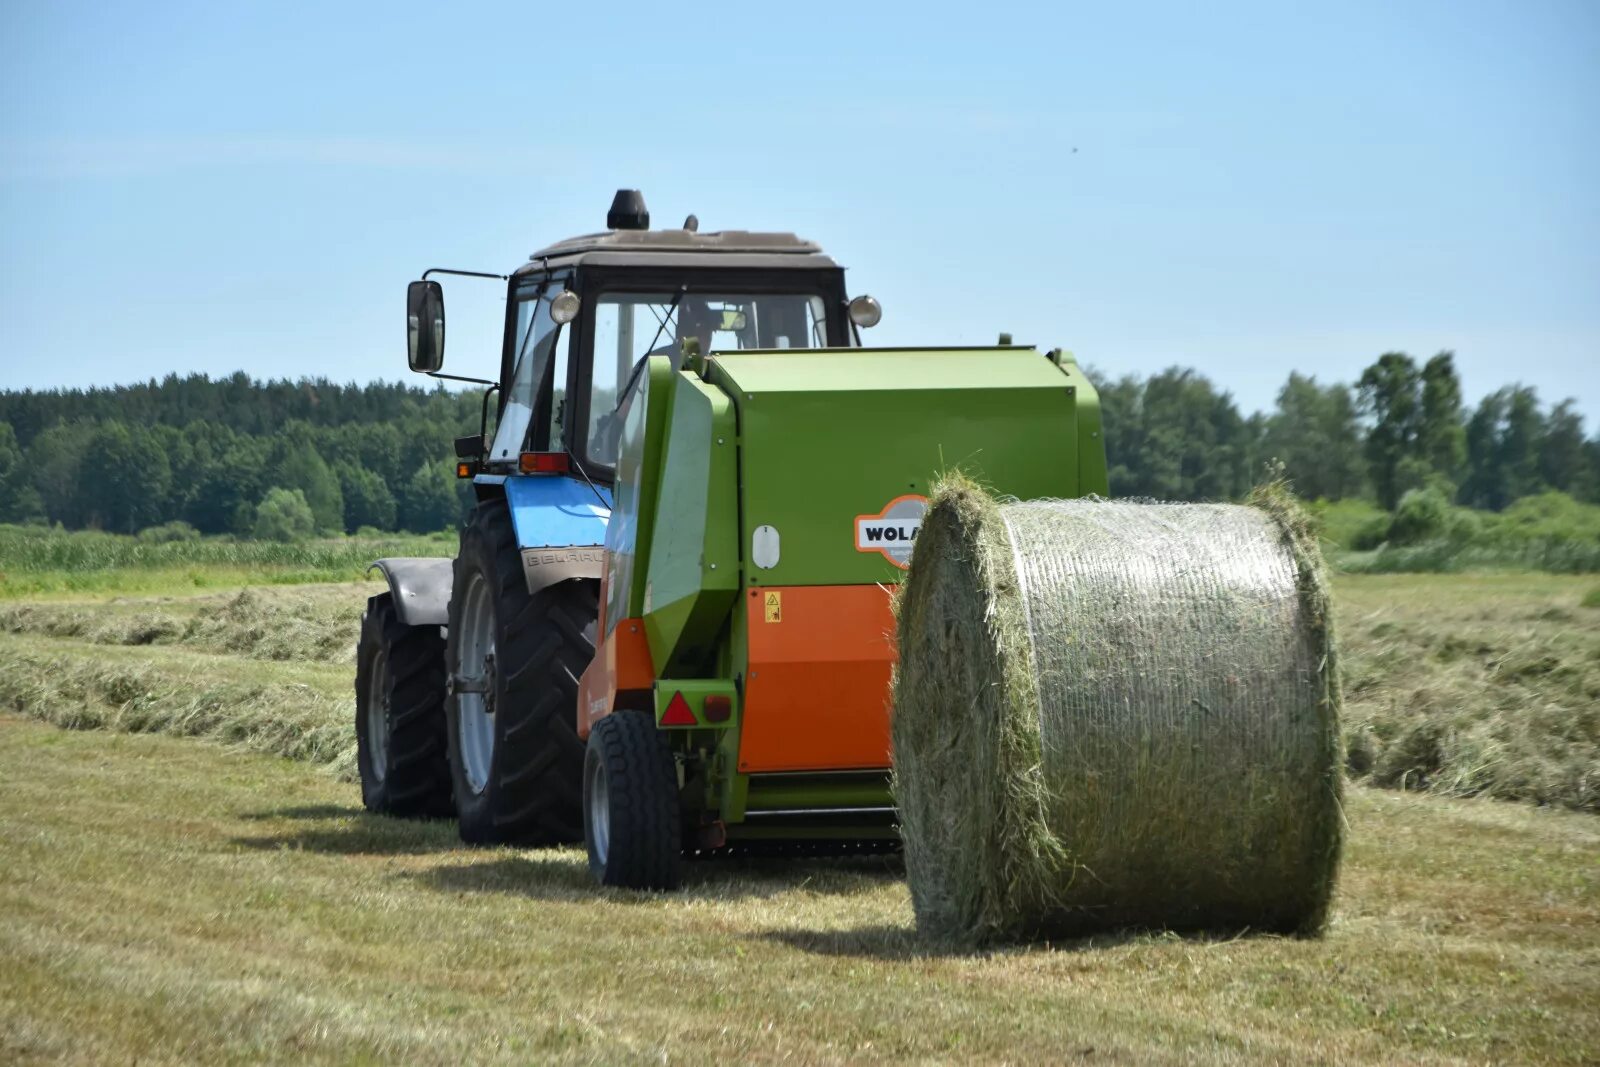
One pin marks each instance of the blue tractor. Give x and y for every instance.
(468, 670)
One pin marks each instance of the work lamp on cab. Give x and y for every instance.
(564, 308)
(865, 311)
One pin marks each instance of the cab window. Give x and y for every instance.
(628, 327)
(529, 393)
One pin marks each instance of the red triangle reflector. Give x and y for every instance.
(678, 712)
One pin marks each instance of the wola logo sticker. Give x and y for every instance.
(893, 531)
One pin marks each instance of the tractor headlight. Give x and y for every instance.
(865, 311)
(564, 308)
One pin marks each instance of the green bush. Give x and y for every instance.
(1549, 532)
(1371, 534)
(284, 516)
(1422, 515)
(168, 532)
(1348, 524)
(1554, 517)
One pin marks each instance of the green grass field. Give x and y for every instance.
(172, 901)
(37, 561)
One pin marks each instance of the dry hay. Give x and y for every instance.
(185, 699)
(1115, 715)
(290, 625)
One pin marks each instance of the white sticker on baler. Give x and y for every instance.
(892, 531)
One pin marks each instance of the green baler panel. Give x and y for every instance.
(693, 574)
(827, 436)
(632, 524)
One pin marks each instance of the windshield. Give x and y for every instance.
(630, 326)
(535, 341)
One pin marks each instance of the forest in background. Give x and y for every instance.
(210, 454)
(189, 455)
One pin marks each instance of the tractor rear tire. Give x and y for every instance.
(516, 762)
(631, 818)
(400, 731)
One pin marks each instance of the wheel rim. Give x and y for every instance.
(378, 716)
(475, 710)
(600, 814)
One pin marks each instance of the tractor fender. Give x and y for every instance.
(544, 567)
(421, 589)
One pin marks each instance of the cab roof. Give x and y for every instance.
(741, 249)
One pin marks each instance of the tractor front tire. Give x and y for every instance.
(400, 731)
(514, 659)
(630, 804)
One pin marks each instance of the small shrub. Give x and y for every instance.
(1423, 515)
(1342, 523)
(1370, 534)
(1464, 526)
(1591, 599)
(284, 516)
(169, 533)
(1550, 517)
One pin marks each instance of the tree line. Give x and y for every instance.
(1402, 426)
(241, 456)
(210, 454)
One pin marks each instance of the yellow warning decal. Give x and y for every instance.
(773, 602)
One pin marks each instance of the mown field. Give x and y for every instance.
(166, 900)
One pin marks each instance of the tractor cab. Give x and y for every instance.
(584, 315)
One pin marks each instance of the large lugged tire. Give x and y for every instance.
(630, 804)
(400, 726)
(515, 758)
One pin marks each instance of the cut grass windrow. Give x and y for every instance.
(299, 711)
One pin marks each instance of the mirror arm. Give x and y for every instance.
(463, 273)
(459, 378)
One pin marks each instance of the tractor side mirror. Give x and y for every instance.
(425, 326)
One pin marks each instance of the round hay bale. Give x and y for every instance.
(1112, 715)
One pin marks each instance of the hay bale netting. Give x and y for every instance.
(1114, 714)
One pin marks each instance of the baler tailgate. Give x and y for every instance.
(816, 697)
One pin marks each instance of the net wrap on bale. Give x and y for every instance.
(1112, 714)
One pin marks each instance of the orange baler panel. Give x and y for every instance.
(620, 666)
(817, 693)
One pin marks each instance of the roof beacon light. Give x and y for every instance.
(628, 211)
(865, 311)
(564, 308)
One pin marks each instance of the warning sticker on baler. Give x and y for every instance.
(893, 531)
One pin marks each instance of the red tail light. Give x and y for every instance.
(543, 462)
(718, 707)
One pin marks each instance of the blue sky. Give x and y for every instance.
(1246, 189)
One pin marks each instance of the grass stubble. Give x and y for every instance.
(172, 902)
